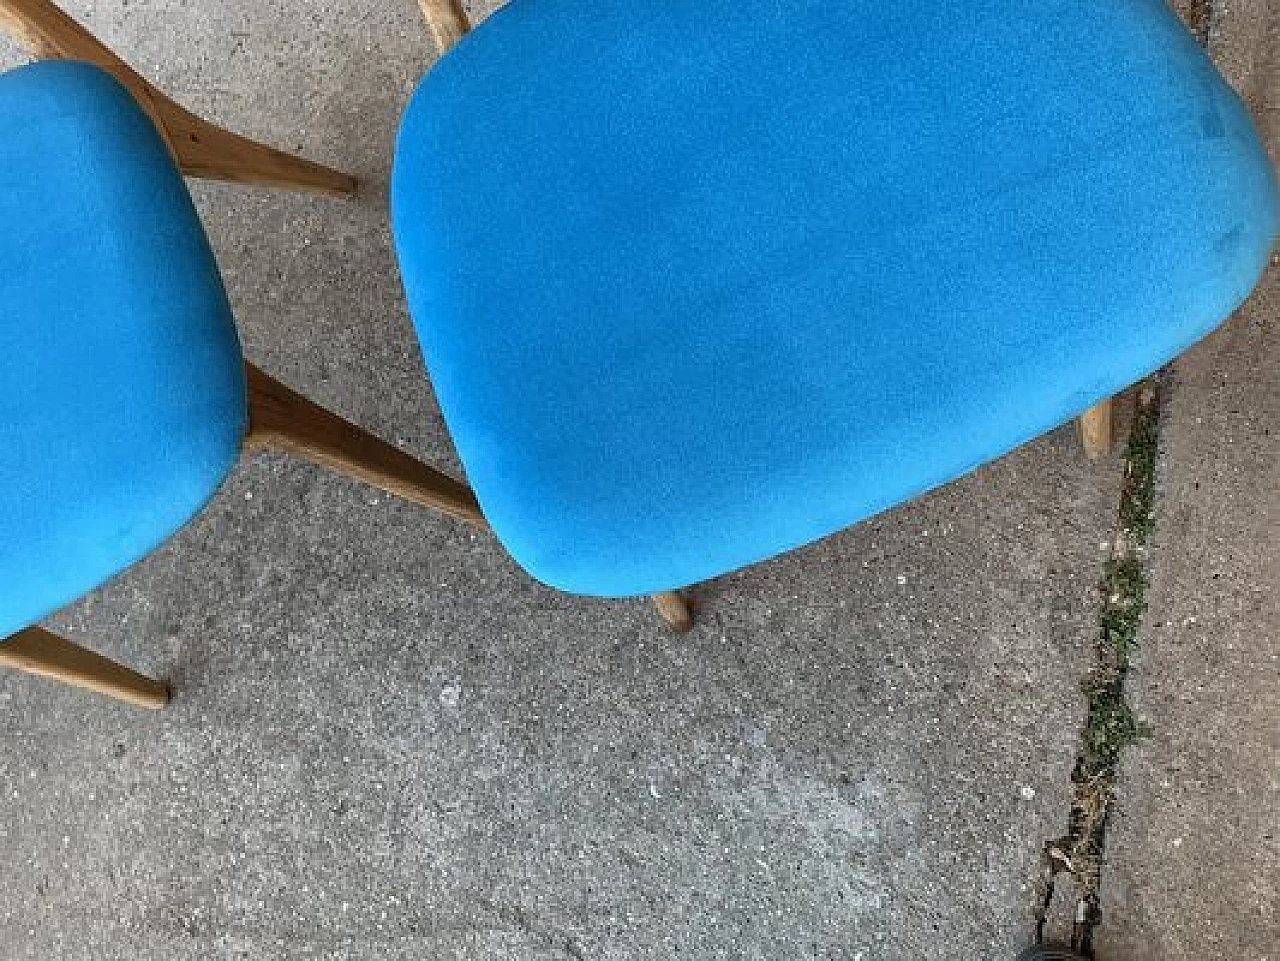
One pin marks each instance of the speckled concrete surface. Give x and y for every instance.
(1193, 852)
(388, 743)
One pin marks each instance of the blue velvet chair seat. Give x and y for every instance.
(703, 281)
(122, 399)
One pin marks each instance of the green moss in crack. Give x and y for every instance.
(1137, 498)
(1111, 728)
(1111, 725)
(1124, 591)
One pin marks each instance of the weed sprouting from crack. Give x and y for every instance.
(1110, 725)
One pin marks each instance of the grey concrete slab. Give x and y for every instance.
(388, 743)
(1193, 866)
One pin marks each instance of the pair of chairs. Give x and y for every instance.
(693, 290)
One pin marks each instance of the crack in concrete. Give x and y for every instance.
(1110, 725)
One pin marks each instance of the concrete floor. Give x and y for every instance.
(387, 742)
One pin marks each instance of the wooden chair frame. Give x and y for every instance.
(279, 418)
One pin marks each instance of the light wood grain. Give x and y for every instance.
(283, 419)
(200, 148)
(446, 21)
(37, 651)
(1095, 430)
(207, 151)
(675, 610)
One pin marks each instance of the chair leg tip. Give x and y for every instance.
(1096, 451)
(156, 699)
(681, 625)
(675, 611)
(1095, 430)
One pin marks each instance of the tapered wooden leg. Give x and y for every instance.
(446, 20)
(205, 150)
(1095, 430)
(285, 420)
(38, 651)
(674, 610)
(200, 148)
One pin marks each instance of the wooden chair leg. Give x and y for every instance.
(200, 148)
(37, 651)
(209, 152)
(446, 20)
(674, 610)
(283, 419)
(1095, 430)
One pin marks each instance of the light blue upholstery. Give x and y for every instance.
(702, 281)
(122, 401)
